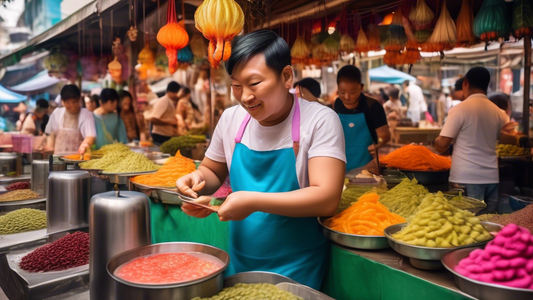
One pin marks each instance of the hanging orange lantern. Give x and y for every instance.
(115, 69)
(219, 21)
(146, 63)
(172, 36)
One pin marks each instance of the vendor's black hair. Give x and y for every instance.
(394, 93)
(70, 92)
(108, 95)
(277, 52)
(123, 94)
(311, 85)
(478, 78)
(459, 84)
(349, 73)
(41, 103)
(406, 83)
(501, 100)
(173, 87)
(96, 100)
(186, 90)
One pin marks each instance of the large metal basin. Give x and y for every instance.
(202, 287)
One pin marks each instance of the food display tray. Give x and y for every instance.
(8, 206)
(515, 157)
(20, 284)
(428, 258)
(6, 180)
(72, 161)
(9, 240)
(478, 289)
(122, 178)
(365, 242)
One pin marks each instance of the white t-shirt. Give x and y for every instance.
(85, 122)
(475, 124)
(321, 134)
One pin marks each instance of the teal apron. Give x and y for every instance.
(357, 138)
(293, 247)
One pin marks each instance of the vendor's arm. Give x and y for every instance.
(321, 198)
(383, 134)
(380, 125)
(442, 143)
(87, 130)
(51, 128)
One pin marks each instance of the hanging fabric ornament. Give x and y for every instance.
(374, 39)
(395, 38)
(146, 63)
(56, 63)
(219, 21)
(492, 21)
(421, 15)
(522, 18)
(198, 47)
(300, 51)
(185, 58)
(115, 69)
(172, 36)
(331, 48)
(465, 22)
(444, 35)
(362, 45)
(347, 44)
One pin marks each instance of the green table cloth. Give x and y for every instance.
(350, 276)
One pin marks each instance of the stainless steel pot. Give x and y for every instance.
(118, 221)
(202, 287)
(67, 204)
(39, 176)
(10, 164)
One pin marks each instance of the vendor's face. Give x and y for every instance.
(261, 90)
(73, 106)
(349, 92)
(125, 103)
(109, 106)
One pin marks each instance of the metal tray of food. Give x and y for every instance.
(9, 206)
(73, 161)
(478, 289)
(169, 197)
(303, 291)
(366, 242)
(256, 277)
(6, 180)
(481, 205)
(427, 257)
(515, 157)
(10, 240)
(20, 284)
(144, 187)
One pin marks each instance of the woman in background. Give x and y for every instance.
(109, 127)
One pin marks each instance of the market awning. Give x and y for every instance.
(389, 75)
(38, 82)
(7, 96)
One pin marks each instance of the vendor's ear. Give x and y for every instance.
(288, 76)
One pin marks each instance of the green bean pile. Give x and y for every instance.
(22, 220)
(107, 161)
(253, 291)
(121, 162)
(404, 198)
(181, 142)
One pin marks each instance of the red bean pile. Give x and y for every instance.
(522, 218)
(18, 186)
(68, 252)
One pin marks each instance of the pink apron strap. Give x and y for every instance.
(295, 127)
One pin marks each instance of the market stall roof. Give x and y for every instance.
(389, 75)
(7, 96)
(95, 8)
(38, 82)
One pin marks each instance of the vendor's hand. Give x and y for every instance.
(190, 184)
(510, 128)
(83, 148)
(196, 211)
(236, 207)
(372, 150)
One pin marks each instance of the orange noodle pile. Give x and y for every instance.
(416, 158)
(167, 175)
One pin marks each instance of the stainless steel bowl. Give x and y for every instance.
(202, 287)
(366, 242)
(420, 256)
(478, 289)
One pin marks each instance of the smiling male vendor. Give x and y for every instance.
(285, 157)
(363, 119)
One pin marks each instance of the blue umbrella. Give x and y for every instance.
(389, 75)
(7, 96)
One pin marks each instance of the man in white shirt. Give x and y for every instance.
(163, 115)
(475, 125)
(417, 103)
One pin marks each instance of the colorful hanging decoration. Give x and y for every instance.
(119, 53)
(396, 37)
(185, 58)
(331, 48)
(172, 36)
(347, 44)
(132, 33)
(374, 39)
(465, 22)
(161, 62)
(421, 15)
(444, 35)
(198, 46)
(146, 63)
(56, 63)
(362, 45)
(219, 21)
(115, 69)
(522, 18)
(492, 21)
(300, 51)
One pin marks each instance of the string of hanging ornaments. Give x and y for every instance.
(219, 21)
(173, 37)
